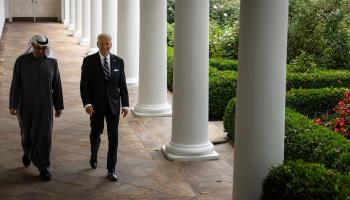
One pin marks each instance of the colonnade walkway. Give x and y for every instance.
(143, 171)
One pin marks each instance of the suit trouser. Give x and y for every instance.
(97, 125)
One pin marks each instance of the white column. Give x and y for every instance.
(7, 9)
(66, 13)
(259, 140)
(2, 15)
(128, 37)
(109, 22)
(189, 139)
(85, 35)
(153, 60)
(71, 26)
(96, 24)
(78, 18)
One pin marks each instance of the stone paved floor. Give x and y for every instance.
(144, 173)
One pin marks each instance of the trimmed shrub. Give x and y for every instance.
(223, 64)
(170, 66)
(311, 143)
(310, 181)
(321, 79)
(303, 139)
(309, 102)
(343, 163)
(222, 87)
(312, 102)
(229, 118)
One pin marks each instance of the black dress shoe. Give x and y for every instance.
(45, 174)
(112, 175)
(25, 160)
(93, 164)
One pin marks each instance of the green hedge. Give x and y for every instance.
(306, 181)
(320, 79)
(229, 118)
(305, 140)
(311, 143)
(312, 102)
(222, 87)
(223, 64)
(306, 101)
(343, 163)
(170, 66)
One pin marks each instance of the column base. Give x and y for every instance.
(66, 23)
(189, 152)
(84, 41)
(132, 81)
(77, 34)
(71, 28)
(142, 110)
(92, 51)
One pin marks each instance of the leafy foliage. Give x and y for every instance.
(303, 63)
(311, 143)
(320, 28)
(339, 119)
(300, 180)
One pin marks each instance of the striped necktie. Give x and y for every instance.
(106, 68)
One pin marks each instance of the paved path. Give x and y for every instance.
(144, 173)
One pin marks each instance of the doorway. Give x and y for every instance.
(34, 10)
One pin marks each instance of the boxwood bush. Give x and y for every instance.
(308, 181)
(306, 101)
(223, 63)
(312, 102)
(222, 87)
(229, 118)
(311, 143)
(320, 79)
(343, 163)
(170, 66)
(305, 140)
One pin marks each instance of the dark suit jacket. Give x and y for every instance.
(95, 90)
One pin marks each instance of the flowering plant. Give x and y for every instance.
(339, 119)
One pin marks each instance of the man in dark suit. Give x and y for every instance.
(102, 86)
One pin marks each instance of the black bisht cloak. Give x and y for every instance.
(35, 89)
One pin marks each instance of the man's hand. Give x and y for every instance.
(125, 112)
(58, 113)
(13, 111)
(90, 110)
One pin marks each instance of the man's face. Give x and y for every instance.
(39, 51)
(104, 44)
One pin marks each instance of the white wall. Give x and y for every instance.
(2, 16)
(7, 9)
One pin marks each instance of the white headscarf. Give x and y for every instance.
(41, 41)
